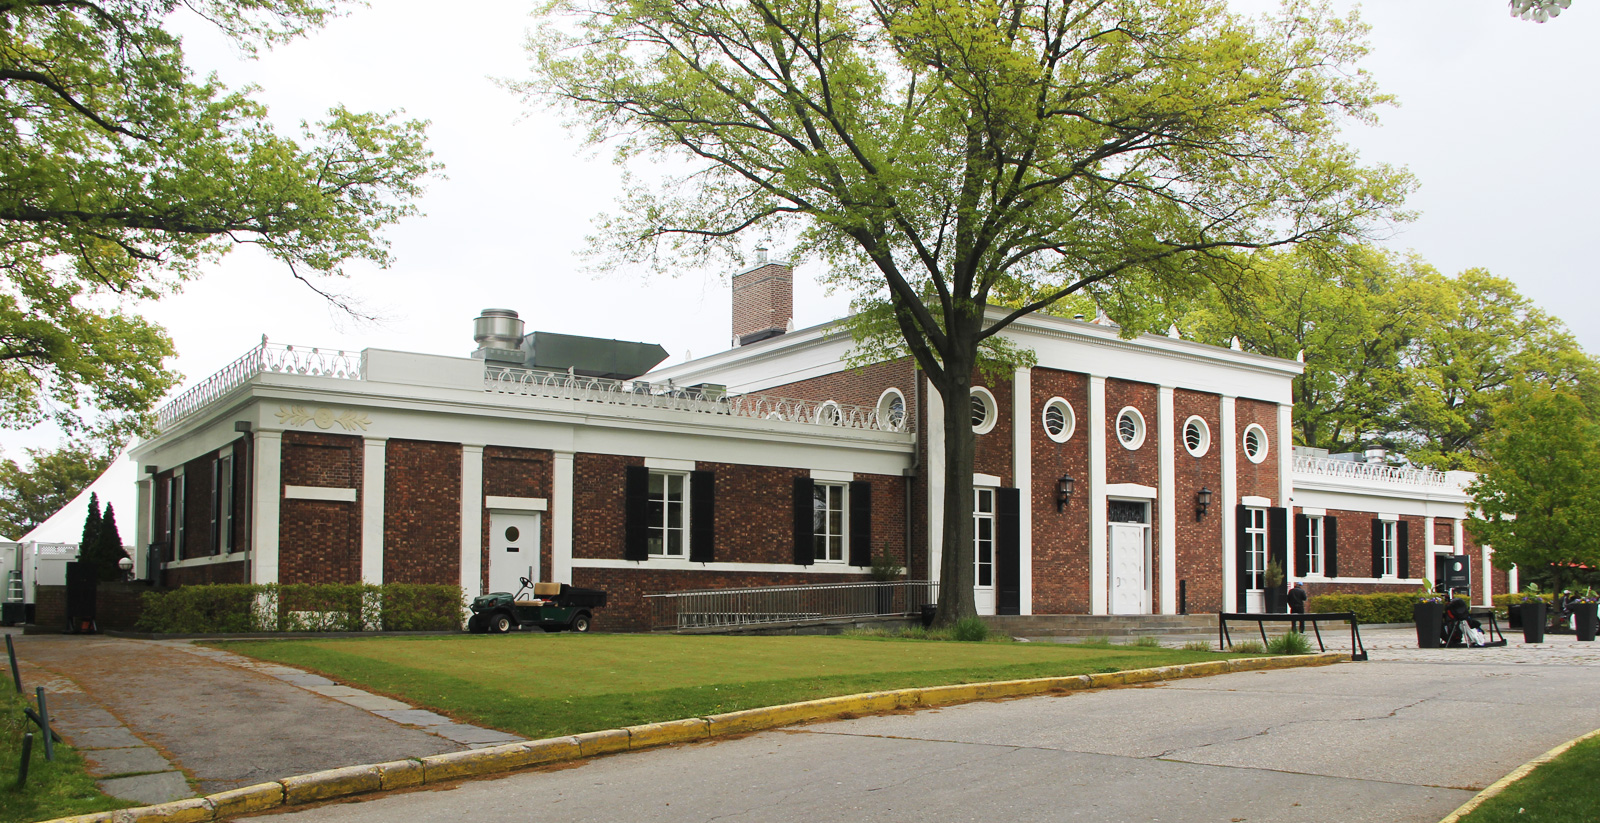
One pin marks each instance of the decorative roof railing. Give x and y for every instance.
(1379, 472)
(706, 400)
(267, 357)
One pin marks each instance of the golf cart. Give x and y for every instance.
(552, 607)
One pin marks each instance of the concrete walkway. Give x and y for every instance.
(165, 720)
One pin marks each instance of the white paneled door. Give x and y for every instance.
(513, 549)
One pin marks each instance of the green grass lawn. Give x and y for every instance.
(58, 788)
(1565, 790)
(544, 685)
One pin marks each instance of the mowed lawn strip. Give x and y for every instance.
(1565, 790)
(544, 685)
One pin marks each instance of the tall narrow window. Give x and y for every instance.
(1313, 545)
(1391, 542)
(667, 514)
(222, 505)
(175, 507)
(828, 521)
(1256, 552)
(983, 536)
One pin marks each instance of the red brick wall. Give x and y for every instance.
(511, 472)
(1355, 547)
(1141, 465)
(1199, 549)
(422, 512)
(196, 507)
(763, 298)
(319, 541)
(857, 387)
(992, 451)
(598, 505)
(1060, 539)
(1259, 479)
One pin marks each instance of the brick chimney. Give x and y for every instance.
(763, 300)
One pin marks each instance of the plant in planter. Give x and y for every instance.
(1533, 614)
(1585, 614)
(883, 570)
(1274, 577)
(1428, 614)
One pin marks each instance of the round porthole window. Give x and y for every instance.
(1130, 428)
(1058, 419)
(1255, 443)
(892, 410)
(512, 534)
(1196, 436)
(983, 411)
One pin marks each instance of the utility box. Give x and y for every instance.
(1452, 571)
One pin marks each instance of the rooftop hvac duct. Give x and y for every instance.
(498, 334)
(590, 356)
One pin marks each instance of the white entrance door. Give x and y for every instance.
(513, 549)
(983, 540)
(1129, 575)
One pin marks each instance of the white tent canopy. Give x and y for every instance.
(117, 486)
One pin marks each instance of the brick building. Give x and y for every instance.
(575, 460)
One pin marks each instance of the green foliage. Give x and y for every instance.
(1248, 647)
(884, 566)
(971, 630)
(301, 607)
(612, 680)
(59, 788)
(961, 165)
(125, 175)
(1289, 643)
(1197, 646)
(1538, 499)
(1369, 608)
(53, 477)
(101, 543)
(1148, 642)
(1502, 601)
(1564, 790)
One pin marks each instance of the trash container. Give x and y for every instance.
(928, 611)
(1514, 616)
(1586, 620)
(1533, 612)
(1430, 624)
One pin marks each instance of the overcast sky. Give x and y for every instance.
(1497, 120)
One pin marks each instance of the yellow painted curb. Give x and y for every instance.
(1517, 774)
(400, 774)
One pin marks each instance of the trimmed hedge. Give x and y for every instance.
(302, 607)
(1369, 608)
(1501, 601)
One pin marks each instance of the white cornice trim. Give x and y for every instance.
(1130, 490)
(516, 504)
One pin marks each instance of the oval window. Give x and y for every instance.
(1196, 436)
(983, 411)
(512, 534)
(1130, 428)
(1059, 421)
(1255, 443)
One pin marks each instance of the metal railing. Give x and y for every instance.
(1354, 470)
(640, 393)
(266, 357)
(771, 605)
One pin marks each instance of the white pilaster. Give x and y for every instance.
(1022, 467)
(561, 518)
(1488, 579)
(141, 533)
(1099, 584)
(1167, 441)
(472, 520)
(1513, 585)
(374, 465)
(1285, 441)
(934, 422)
(1458, 538)
(267, 487)
(1230, 499)
(1427, 547)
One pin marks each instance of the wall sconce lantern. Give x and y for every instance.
(1202, 502)
(1063, 491)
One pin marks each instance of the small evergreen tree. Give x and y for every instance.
(109, 551)
(91, 529)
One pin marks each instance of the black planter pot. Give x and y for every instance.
(1514, 616)
(1587, 620)
(1429, 618)
(1533, 613)
(1277, 600)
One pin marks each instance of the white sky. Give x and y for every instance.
(1497, 120)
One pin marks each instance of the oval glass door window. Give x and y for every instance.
(511, 537)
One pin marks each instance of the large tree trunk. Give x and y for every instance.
(956, 553)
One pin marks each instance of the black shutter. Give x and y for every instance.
(1402, 549)
(636, 517)
(1278, 541)
(860, 523)
(1330, 546)
(805, 553)
(702, 516)
(1008, 551)
(1377, 547)
(1241, 546)
(1302, 545)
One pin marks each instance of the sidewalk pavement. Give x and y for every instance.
(166, 720)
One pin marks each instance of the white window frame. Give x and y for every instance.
(1137, 441)
(1315, 535)
(991, 410)
(658, 542)
(1069, 418)
(827, 545)
(1205, 435)
(1255, 564)
(983, 560)
(1389, 544)
(176, 494)
(1244, 443)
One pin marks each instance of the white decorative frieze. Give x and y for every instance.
(324, 418)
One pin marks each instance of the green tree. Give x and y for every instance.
(106, 550)
(28, 496)
(947, 157)
(1538, 494)
(121, 175)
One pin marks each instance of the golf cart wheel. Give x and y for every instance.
(580, 622)
(475, 624)
(500, 623)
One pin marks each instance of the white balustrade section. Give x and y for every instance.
(1374, 472)
(269, 358)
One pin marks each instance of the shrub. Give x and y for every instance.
(1197, 646)
(971, 630)
(1369, 608)
(299, 607)
(1249, 647)
(1501, 601)
(1289, 643)
(1147, 641)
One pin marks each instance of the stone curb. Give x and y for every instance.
(400, 774)
(1517, 774)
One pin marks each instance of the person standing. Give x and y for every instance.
(1297, 605)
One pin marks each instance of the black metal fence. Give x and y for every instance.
(718, 608)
